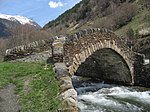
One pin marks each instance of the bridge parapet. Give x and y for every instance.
(58, 50)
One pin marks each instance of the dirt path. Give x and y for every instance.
(8, 99)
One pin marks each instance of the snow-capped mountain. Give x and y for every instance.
(9, 24)
(17, 18)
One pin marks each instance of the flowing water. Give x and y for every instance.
(100, 97)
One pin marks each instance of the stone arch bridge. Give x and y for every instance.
(68, 53)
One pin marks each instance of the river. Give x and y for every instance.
(100, 97)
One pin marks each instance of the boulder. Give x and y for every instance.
(144, 32)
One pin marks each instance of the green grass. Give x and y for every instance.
(36, 86)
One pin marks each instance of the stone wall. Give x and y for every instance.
(67, 91)
(27, 50)
(36, 57)
(142, 72)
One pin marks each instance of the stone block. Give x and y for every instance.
(61, 70)
(70, 93)
(65, 84)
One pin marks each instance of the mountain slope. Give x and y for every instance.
(9, 24)
(19, 19)
(93, 13)
(6, 26)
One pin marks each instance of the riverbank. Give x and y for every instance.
(28, 87)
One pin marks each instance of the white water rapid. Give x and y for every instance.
(100, 97)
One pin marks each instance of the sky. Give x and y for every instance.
(41, 11)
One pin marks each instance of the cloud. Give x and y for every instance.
(53, 4)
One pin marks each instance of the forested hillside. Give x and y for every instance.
(111, 14)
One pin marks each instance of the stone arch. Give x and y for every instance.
(85, 44)
(82, 56)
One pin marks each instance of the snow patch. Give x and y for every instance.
(21, 19)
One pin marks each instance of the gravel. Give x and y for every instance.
(9, 101)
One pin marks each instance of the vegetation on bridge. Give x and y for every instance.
(35, 84)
